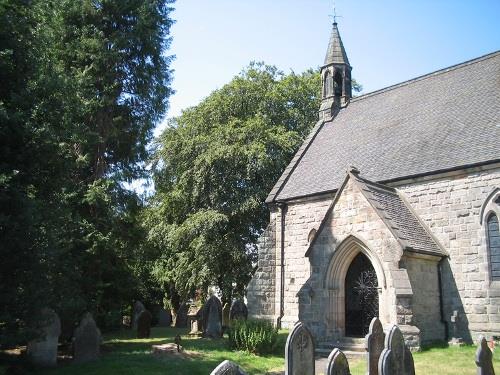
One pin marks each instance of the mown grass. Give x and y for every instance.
(122, 353)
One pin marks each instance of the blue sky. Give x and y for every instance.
(387, 41)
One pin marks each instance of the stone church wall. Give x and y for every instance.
(451, 206)
(262, 288)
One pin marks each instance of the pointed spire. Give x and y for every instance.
(336, 53)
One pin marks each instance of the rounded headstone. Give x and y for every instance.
(212, 318)
(144, 324)
(238, 310)
(87, 340)
(299, 351)
(227, 368)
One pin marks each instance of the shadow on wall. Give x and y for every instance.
(453, 308)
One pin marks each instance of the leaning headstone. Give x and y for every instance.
(337, 363)
(227, 368)
(484, 358)
(144, 324)
(212, 318)
(238, 310)
(164, 318)
(138, 308)
(299, 351)
(374, 345)
(181, 316)
(42, 351)
(396, 358)
(86, 340)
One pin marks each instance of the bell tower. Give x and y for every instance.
(335, 77)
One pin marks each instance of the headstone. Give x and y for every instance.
(227, 368)
(86, 340)
(484, 358)
(144, 324)
(212, 318)
(374, 345)
(454, 322)
(181, 316)
(337, 363)
(396, 358)
(138, 308)
(238, 310)
(225, 314)
(164, 318)
(299, 351)
(194, 320)
(42, 351)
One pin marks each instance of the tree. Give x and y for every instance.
(214, 166)
(87, 82)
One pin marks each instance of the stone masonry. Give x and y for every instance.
(450, 205)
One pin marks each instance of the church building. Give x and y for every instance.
(390, 208)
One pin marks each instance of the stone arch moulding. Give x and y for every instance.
(334, 284)
(342, 257)
(489, 205)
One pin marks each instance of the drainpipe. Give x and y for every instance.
(283, 209)
(441, 303)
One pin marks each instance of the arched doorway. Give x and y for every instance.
(361, 296)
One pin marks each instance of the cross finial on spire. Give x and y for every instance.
(334, 15)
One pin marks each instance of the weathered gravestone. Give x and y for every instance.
(374, 344)
(396, 358)
(181, 316)
(299, 351)
(212, 318)
(337, 363)
(227, 368)
(86, 340)
(194, 319)
(238, 310)
(138, 309)
(484, 358)
(42, 351)
(144, 324)
(164, 318)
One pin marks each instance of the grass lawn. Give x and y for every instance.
(122, 353)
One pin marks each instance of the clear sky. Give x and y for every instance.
(387, 41)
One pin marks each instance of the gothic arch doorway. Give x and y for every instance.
(351, 255)
(361, 296)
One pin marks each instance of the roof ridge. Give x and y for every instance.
(428, 75)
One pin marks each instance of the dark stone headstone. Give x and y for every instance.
(212, 318)
(396, 358)
(484, 358)
(181, 316)
(337, 363)
(227, 368)
(42, 351)
(164, 318)
(144, 324)
(374, 344)
(138, 308)
(238, 310)
(86, 340)
(299, 351)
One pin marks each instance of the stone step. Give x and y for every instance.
(325, 352)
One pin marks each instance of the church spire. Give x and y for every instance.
(335, 76)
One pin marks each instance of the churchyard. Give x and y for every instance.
(203, 348)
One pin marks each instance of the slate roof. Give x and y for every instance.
(441, 121)
(335, 54)
(399, 217)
